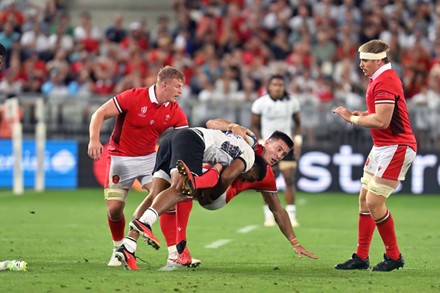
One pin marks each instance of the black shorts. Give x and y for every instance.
(185, 145)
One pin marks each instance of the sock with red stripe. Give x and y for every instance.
(117, 228)
(366, 227)
(385, 225)
(183, 209)
(207, 179)
(168, 223)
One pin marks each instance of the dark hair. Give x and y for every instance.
(284, 137)
(280, 77)
(275, 76)
(262, 167)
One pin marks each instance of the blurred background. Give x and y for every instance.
(77, 54)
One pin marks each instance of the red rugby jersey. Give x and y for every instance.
(386, 88)
(141, 121)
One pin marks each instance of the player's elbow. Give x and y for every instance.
(383, 124)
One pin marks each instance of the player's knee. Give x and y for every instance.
(290, 181)
(115, 194)
(366, 178)
(380, 189)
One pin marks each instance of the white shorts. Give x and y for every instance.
(390, 162)
(123, 171)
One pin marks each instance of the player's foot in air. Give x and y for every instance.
(126, 258)
(354, 263)
(189, 185)
(145, 231)
(389, 264)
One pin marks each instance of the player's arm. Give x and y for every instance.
(106, 111)
(283, 221)
(380, 120)
(225, 125)
(228, 175)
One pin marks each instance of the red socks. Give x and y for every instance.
(183, 209)
(168, 227)
(207, 179)
(117, 228)
(365, 234)
(385, 226)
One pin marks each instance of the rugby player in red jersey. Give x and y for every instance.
(142, 115)
(394, 149)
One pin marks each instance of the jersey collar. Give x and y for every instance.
(381, 70)
(153, 97)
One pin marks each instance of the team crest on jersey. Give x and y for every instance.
(151, 122)
(143, 111)
(367, 162)
(115, 179)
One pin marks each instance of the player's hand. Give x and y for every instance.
(95, 150)
(300, 251)
(239, 130)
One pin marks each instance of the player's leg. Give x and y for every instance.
(395, 162)
(122, 173)
(178, 150)
(366, 225)
(115, 193)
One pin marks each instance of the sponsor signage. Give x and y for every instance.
(60, 163)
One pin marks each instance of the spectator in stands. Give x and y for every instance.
(80, 85)
(60, 40)
(8, 36)
(36, 41)
(35, 73)
(12, 14)
(135, 38)
(116, 32)
(88, 33)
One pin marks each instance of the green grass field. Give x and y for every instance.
(63, 235)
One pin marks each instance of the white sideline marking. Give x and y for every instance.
(247, 229)
(218, 243)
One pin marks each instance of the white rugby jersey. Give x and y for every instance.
(276, 114)
(223, 148)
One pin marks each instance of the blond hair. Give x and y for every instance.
(375, 47)
(169, 72)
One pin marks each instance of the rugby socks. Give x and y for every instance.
(207, 179)
(366, 227)
(385, 225)
(149, 217)
(291, 210)
(183, 210)
(130, 244)
(117, 229)
(168, 227)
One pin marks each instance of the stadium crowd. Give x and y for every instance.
(227, 49)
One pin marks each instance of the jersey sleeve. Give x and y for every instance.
(123, 101)
(180, 118)
(257, 106)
